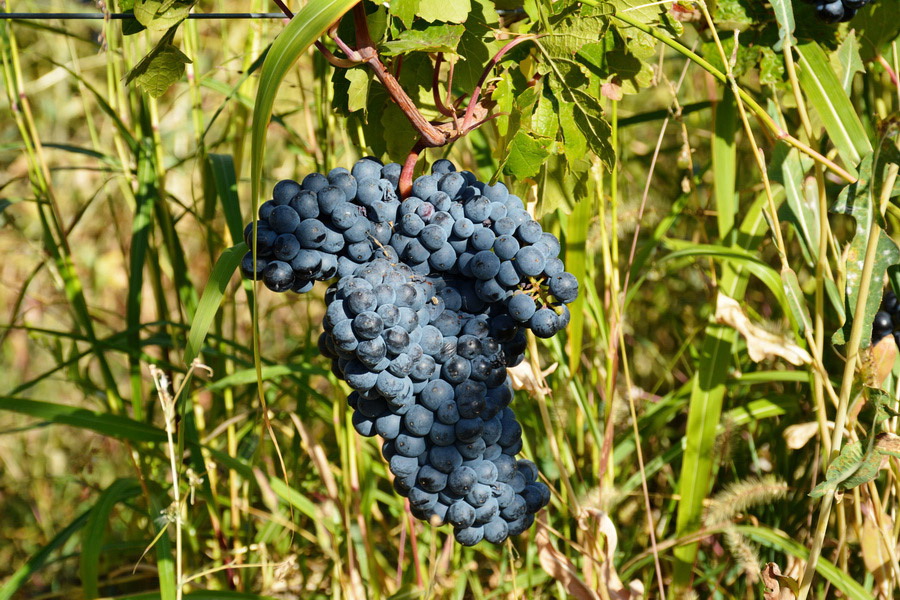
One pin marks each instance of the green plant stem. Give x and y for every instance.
(840, 420)
(758, 110)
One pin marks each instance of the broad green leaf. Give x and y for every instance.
(504, 96)
(405, 10)
(448, 11)
(476, 46)
(856, 200)
(525, 155)
(358, 92)
(157, 15)
(589, 119)
(847, 62)
(796, 300)
(884, 408)
(437, 38)
(162, 67)
(855, 465)
(801, 208)
(784, 14)
(308, 24)
(400, 136)
(724, 159)
(826, 95)
(545, 118)
(131, 26)
(771, 67)
(212, 299)
(708, 386)
(574, 142)
(645, 12)
(95, 532)
(877, 25)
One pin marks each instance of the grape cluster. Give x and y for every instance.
(887, 319)
(837, 11)
(432, 298)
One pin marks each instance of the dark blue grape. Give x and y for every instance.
(251, 269)
(284, 191)
(418, 420)
(278, 276)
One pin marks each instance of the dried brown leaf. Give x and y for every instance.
(560, 568)
(778, 586)
(761, 344)
(799, 435)
(523, 377)
(876, 555)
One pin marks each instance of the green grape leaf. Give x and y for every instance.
(400, 136)
(877, 24)
(448, 11)
(131, 26)
(649, 13)
(884, 405)
(405, 10)
(162, 67)
(436, 38)
(525, 155)
(157, 15)
(771, 66)
(358, 90)
(476, 46)
(854, 466)
(857, 200)
(574, 142)
(545, 119)
(504, 95)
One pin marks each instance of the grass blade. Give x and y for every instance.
(222, 174)
(212, 299)
(95, 532)
(40, 558)
(108, 424)
(827, 96)
(303, 30)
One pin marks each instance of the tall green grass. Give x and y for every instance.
(163, 422)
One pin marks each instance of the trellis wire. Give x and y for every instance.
(126, 16)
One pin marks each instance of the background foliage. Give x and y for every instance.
(686, 154)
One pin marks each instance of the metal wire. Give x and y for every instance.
(127, 16)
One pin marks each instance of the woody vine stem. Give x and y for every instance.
(431, 134)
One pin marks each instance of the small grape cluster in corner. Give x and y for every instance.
(887, 319)
(837, 11)
(432, 298)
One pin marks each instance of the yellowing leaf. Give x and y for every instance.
(449, 11)
(157, 15)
